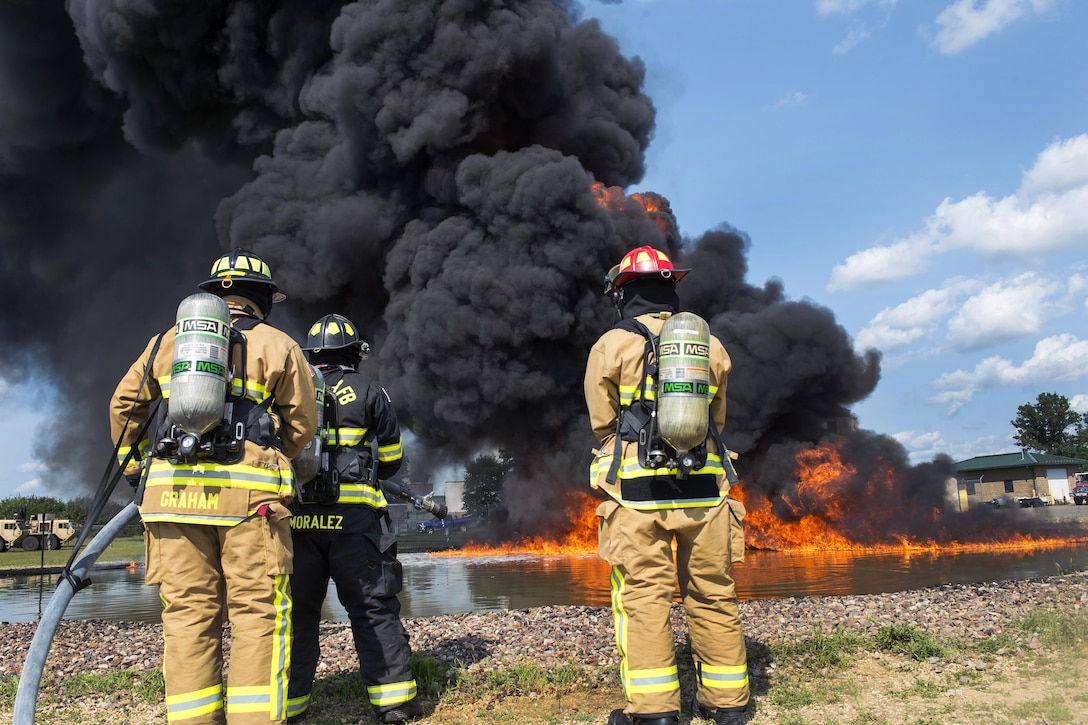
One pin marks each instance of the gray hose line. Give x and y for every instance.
(26, 697)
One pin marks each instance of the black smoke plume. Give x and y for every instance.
(447, 174)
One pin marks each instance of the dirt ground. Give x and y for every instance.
(1021, 686)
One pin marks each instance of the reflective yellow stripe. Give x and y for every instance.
(601, 465)
(298, 705)
(204, 519)
(630, 393)
(255, 391)
(248, 699)
(362, 493)
(347, 437)
(193, 704)
(660, 679)
(144, 447)
(620, 621)
(725, 677)
(281, 648)
(391, 452)
(392, 693)
(220, 475)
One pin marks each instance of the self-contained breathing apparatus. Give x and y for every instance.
(205, 419)
(324, 485)
(670, 416)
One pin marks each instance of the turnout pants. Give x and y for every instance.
(638, 546)
(368, 578)
(206, 572)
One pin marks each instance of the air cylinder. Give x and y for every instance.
(308, 461)
(198, 378)
(683, 381)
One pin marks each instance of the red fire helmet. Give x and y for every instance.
(643, 262)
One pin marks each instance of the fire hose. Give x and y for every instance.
(73, 580)
(422, 503)
(26, 696)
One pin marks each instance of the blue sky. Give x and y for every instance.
(918, 168)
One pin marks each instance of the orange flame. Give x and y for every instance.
(823, 516)
(608, 197)
(649, 203)
(826, 512)
(579, 538)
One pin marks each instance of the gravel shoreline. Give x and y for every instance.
(555, 635)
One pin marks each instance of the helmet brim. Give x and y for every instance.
(623, 278)
(216, 284)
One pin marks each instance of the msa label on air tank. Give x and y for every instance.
(201, 325)
(696, 349)
(685, 387)
(199, 366)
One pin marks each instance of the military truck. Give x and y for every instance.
(39, 531)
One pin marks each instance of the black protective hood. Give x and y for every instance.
(649, 295)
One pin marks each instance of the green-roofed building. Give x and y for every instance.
(1011, 476)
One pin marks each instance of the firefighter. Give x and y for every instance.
(341, 530)
(217, 531)
(651, 507)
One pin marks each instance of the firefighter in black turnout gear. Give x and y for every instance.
(340, 530)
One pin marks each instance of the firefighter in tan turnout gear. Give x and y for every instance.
(659, 496)
(215, 502)
(341, 530)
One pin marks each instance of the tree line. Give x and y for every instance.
(75, 509)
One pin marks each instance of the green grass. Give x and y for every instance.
(519, 678)
(138, 685)
(9, 685)
(1056, 629)
(129, 548)
(909, 640)
(147, 686)
(819, 651)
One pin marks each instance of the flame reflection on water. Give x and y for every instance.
(452, 584)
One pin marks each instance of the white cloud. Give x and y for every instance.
(962, 24)
(871, 266)
(852, 38)
(1061, 167)
(1049, 212)
(1056, 358)
(923, 446)
(845, 7)
(1079, 403)
(918, 317)
(793, 98)
(1006, 310)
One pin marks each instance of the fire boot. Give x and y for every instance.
(402, 713)
(721, 716)
(619, 717)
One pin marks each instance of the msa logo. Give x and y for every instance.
(201, 324)
(199, 366)
(685, 388)
(690, 349)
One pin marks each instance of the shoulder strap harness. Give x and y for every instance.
(638, 421)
